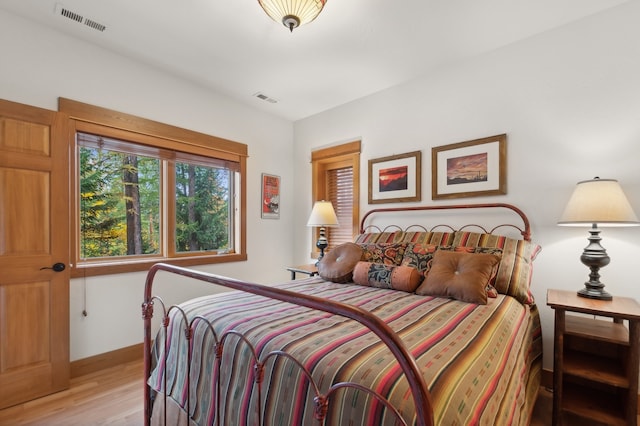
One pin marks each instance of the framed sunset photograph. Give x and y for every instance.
(395, 179)
(469, 169)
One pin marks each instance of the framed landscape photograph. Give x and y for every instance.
(469, 169)
(270, 196)
(395, 179)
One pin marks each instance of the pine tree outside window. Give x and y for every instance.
(153, 193)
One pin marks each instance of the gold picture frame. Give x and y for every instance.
(395, 179)
(469, 169)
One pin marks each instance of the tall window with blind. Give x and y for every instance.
(336, 178)
(340, 193)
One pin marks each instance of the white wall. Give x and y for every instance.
(569, 101)
(39, 65)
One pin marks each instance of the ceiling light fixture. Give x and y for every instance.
(292, 13)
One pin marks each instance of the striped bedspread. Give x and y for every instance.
(480, 362)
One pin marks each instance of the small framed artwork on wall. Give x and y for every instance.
(270, 196)
(395, 179)
(469, 169)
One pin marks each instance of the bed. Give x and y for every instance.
(409, 324)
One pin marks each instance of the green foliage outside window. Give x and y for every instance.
(103, 205)
(121, 198)
(202, 208)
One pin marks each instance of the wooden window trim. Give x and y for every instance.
(145, 127)
(92, 119)
(344, 155)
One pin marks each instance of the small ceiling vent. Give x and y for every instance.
(264, 97)
(95, 25)
(79, 18)
(69, 14)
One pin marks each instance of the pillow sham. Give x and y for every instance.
(337, 264)
(388, 254)
(428, 237)
(379, 275)
(422, 237)
(379, 237)
(459, 275)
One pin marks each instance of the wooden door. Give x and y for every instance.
(34, 234)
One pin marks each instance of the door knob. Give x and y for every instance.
(57, 267)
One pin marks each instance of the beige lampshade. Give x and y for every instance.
(292, 13)
(599, 201)
(323, 214)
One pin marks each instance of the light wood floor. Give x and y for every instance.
(114, 397)
(109, 397)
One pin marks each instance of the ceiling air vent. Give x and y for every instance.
(265, 98)
(69, 14)
(77, 17)
(95, 25)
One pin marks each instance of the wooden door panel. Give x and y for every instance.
(16, 351)
(25, 137)
(34, 234)
(19, 226)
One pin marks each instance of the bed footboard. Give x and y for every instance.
(416, 383)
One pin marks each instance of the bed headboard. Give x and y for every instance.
(491, 214)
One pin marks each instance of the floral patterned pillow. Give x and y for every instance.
(418, 255)
(388, 254)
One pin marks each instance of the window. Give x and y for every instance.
(119, 200)
(148, 192)
(204, 213)
(340, 193)
(336, 172)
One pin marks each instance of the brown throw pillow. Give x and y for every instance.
(337, 264)
(403, 278)
(462, 276)
(516, 267)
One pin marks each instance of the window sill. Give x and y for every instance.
(87, 269)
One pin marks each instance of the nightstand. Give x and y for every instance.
(595, 362)
(309, 269)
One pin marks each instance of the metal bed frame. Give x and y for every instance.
(420, 392)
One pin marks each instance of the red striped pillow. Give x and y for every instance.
(379, 237)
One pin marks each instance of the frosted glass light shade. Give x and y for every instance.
(293, 13)
(599, 201)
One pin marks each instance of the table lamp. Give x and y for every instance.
(322, 215)
(597, 202)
